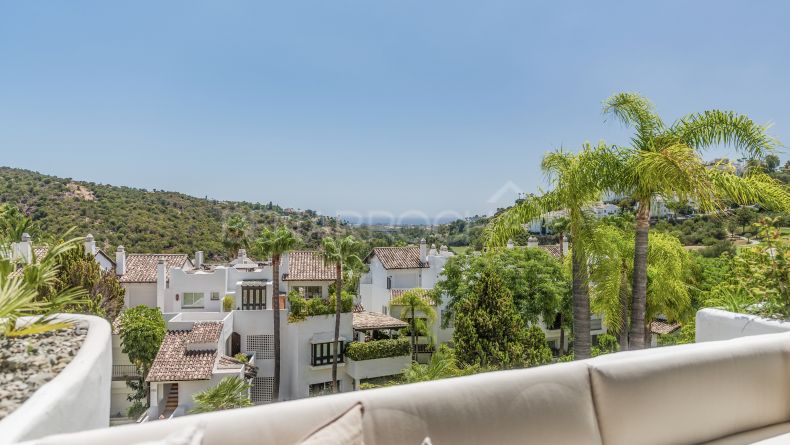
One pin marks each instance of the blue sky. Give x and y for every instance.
(363, 106)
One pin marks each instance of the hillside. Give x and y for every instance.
(146, 221)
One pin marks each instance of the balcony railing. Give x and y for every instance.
(125, 372)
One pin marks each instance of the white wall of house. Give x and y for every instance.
(139, 294)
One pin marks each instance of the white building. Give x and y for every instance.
(203, 338)
(394, 270)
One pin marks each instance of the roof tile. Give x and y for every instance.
(141, 267)
(308, 265)
(399, 257)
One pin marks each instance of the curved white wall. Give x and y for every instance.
(716, 324)
(77, 399)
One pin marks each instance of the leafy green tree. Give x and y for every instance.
(578, 180)
(536, 351)
(274, 244)
(339, 253)
(415, 305)
(230, 393)
(665, 161)
(771, 163)
(668, 264)
(14, 223)
(535, 279)
(745, 216)
(488, 329)
(142, 330)
(607, 344)
(235, 234)
(105, 295)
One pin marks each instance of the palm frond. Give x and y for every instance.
(716, 127)
(636, 111)
(753, 188)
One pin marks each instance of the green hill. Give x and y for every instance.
(147, 221)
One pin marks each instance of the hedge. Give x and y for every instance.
(378, 349)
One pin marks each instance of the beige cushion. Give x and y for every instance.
(344, 430)
(192, 435)
(550, 404)
(694, 393)
(770, 434)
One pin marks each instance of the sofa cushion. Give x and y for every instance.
(550, 404)
(694, 393)
(774, 434)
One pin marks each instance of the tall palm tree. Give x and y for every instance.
(414, 302)
(339, 253)
(234, 235)
(665, 161)
(275, 243)
(578, 180)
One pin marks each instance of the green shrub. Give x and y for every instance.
(378, 349)
(607, 343)
(301, 307)
(227, 303)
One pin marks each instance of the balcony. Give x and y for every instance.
(125, 372)
(377, 358)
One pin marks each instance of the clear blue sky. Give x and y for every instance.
(363, 105)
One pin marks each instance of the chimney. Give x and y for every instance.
(532, 241)
(444, 251)
(120, 261)
(564, 245)
(24, 249)
(161, 284)
(198, 259)
(510, 244)
(423, 251)
(90, 246)
(242, 255)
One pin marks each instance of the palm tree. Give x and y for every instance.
(415, 301)
(230, 392)
(578, 181)
(275, 243)
(560, 227)
(665, 161)
(234, 236)
(339, 253)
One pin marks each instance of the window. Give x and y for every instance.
(323, 353)
(214, 296)
(192, 300)
(261, 345)
(320, 389)
(389, 282)
(312, 292)
(253, 298)
(261, 391)
(595, 324)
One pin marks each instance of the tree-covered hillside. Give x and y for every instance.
(146, 221)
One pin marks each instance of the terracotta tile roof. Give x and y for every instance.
(141, 267)
(173, 363)
(374, 320)
(205, 332)
(424, 293)
(227, 362)
(399, 257)
(662, 327)
(307, 265)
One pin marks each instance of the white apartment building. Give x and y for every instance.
(203, 338)
(394, 270)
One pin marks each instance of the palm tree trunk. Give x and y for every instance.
(276, 313)
(637, 334)
(338, 304)
(413, 323)
(623, 308)
(562, 335)
(581, 307)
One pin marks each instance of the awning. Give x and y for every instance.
(324, 337)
